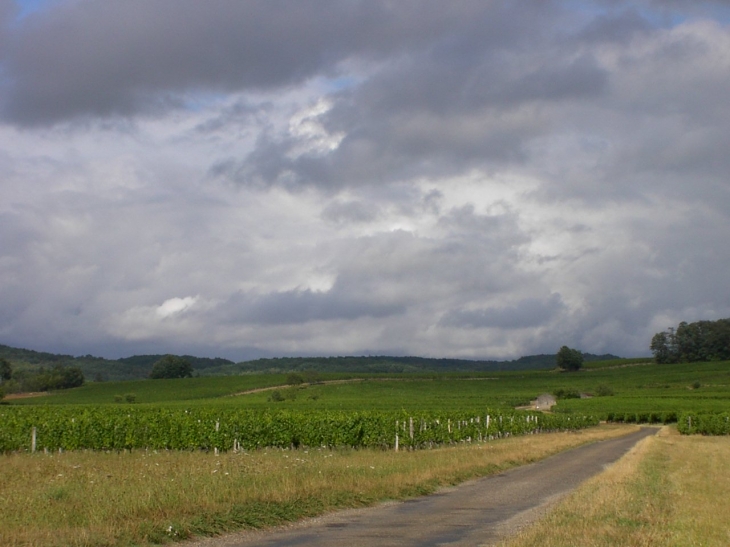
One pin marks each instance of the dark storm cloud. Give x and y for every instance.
(444, 84)
(17, 233)
(350, 211)
(101, 58)
(691, 6)
(8, 10)
(302, 306)
(613, 27)
(531, 312)
(473, 255)
(239, 113)
(465, 101)
(451, 90)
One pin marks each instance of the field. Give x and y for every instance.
(636, 388)
(225, 424)
(83, 499)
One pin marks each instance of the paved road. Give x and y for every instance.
(478, 512)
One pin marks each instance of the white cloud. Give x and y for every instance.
(305, 125)
(175, 306)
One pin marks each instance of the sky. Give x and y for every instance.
(468, 179)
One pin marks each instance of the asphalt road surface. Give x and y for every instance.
(478, 512)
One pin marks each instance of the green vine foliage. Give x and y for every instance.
(105, 428)
(690, 423)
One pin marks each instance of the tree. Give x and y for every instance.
(6, 370)
(70, 377)
(569, 359)
(660, 348)
(718, 340)
(171, 366)
(690, 342)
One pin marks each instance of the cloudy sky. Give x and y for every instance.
(471, 178)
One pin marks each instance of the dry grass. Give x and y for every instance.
(670, 490)
(87, 498)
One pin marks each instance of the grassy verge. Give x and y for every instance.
(670, 490)
(115, 499)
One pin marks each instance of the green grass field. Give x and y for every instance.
(636, 387)
(158, 391)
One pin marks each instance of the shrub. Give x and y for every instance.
(604, 391)
(294, 379)
(567, 393)
(312, 377)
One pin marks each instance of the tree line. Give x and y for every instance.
(41, 379)
(689, 342)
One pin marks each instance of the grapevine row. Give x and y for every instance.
(690, 423)
(106, 428)
(667, 417)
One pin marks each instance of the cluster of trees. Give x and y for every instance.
(41, 379)
(6, 372)
(698, 341)
(171, 366)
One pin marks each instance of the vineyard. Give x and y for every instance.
(364, 411)
(115, 428)
(691, 423)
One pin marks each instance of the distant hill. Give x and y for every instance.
(374, 364)
(98, 368)
(139, 366)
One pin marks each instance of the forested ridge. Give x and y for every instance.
(98, 368)
(140, 366)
